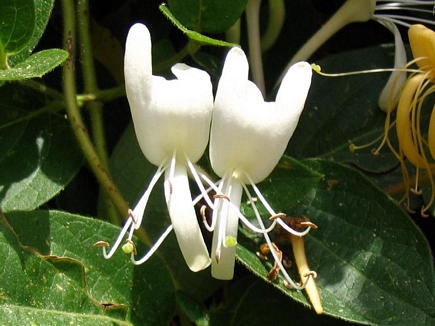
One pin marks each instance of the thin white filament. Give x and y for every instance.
(138, 213)
(153, 248)
(397, 19)
(276, 257)
(272, 212)
(197, 179)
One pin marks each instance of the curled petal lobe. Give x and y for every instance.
(422, 41)
(183, 218)
(291, 97)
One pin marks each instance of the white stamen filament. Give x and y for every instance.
(153, 248)
(276, 256)
(272, 212)
(138, 212)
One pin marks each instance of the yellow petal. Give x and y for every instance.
(431, 134)
(404, 129)
(422, 40)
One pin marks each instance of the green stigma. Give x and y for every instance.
(230, 241)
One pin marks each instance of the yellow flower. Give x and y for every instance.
(414, 145)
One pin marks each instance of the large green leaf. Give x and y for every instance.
(36, 65)
(55, 275)
(38, 157)
(374, 265)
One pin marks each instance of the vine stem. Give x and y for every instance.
(95, 107)
(73, 111)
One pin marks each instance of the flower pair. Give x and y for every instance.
(174, 120)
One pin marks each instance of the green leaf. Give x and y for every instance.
(131, 172)
(193, 309)
(38, 157)
(36, 65)
(17, 24)
(56, 276)
(208, 16)
(253, 302)
(374, 265)
(195, 36)
(42, 15)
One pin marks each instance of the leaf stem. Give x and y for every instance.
(103, 95)
(40, 87)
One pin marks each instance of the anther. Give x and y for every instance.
(222, 196)
(313, 274)
(202, 212)
(311, 224)
(131, 214)
(217, 255)
(279, 215)
(288, 286)
(409, 210)
(423, 212)
(287, 263)
(101, 244)
(374, 151)
(415, 191)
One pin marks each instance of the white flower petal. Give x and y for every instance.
(184, 219)
(227, 226)
(167, 114)
(138, 70)
(247, 133)
(178, 116)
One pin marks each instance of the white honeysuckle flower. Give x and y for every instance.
(385, 12)
(248, 137)
(172, 123)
